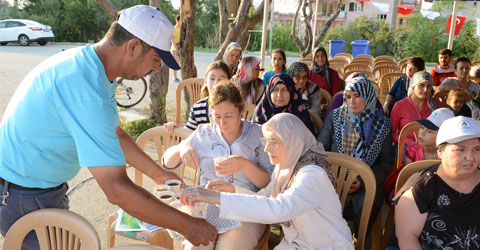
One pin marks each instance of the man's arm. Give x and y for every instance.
(139, 203)
(137, 158)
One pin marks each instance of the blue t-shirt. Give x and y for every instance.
(268, 75)
(399, 90)
(62, 117)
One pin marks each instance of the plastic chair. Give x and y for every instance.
(365, 56)
(55, 229)
(383, 57)
(411, 127)
(386, 83)
(385, 63)
(343, 62)
(475, 63)
(344, 54)
(363, 61)
(137, 247)
(337, 67)
(248, 111)
(346, 169)
(358, 66)
(162, 141)
(194, 87)
(410, 169)
(475, 79)
(380, 71)
(367, 73)
(317, 121)
(263, 242)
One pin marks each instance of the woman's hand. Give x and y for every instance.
(230, 165)
(188, 154)
(170, 126)
(190, 196)
(220, 186)
(386, 109)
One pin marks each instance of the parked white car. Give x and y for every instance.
(24, 32)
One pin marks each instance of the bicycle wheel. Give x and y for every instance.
(130, 92)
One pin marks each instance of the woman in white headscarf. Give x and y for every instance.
(301, 196)
(232, 55)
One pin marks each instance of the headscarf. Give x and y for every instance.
(230, 47)
(266, 109)
(321, 70)
(246, 68)
(246, 80)
(361, 135)
(300, 144)
(417, 78)
(295, 68)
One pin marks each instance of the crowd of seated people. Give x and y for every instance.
(274, 167)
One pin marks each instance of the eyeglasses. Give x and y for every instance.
(272, 143)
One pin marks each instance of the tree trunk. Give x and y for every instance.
(304, 45)
(223, 11)
(328, 24)
(238, 31)
(109, 8)
(186, 44)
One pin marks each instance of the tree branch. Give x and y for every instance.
(109, 8)
(223, 11)
(328, 24)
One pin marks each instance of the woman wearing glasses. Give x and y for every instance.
(251, 86)
(245, 164)
(301, 196)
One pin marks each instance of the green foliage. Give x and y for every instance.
(280, 39)
(421, 37)
(206, 24)
(137, 127)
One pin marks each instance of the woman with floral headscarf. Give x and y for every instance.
(232, 55)
(418, 105)
(359, 128)
(252, 87)
(323, 76)
(310, 92)
(301, 196)
(281, 96)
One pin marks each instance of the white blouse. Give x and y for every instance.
(310, 204)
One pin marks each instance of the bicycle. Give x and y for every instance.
(130, 92)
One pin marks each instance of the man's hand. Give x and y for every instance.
(200, 232)
(165, 176)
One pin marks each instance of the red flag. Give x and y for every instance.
(404, 10)
(458, 26)
(362, 1)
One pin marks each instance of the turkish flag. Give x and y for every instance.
(458, 26)
(362, 1)
(404, 10)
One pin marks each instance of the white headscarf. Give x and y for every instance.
(297, 140)
(230, 47)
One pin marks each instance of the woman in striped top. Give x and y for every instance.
(200, 112)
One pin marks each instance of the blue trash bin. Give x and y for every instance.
(360, 47)
(336, 46)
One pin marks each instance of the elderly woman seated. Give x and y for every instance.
(232, 56)
(281, 96)
(310, 92)
(301, 196)
(439, 209)
(244, 164)
(359, 128)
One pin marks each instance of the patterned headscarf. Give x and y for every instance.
(297, 67)
(361, 135)
(321, 70)
(266, 109)
(417, 78)
(302, 149)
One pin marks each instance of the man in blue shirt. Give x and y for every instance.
(63, 116)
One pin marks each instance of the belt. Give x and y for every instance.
(18, 187)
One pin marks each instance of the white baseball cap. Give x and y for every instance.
(435, 120)
(458, 129)
(150, 25)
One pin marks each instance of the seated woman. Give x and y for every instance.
(438, 207)
(279, 62)
(323, 76)
(232, 55)
(401, 85)
(310, 92)
(200, 112)
(282, 96)
(251, 86)
(360, 129)
(301, 196)
(245, 165)
(418, 105)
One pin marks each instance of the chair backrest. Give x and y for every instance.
(337, 67)
(317, 121)
(370, 57)
(411, 127)
(358, 66)
(475, 63)
(162, 140)
(475, 79)
(194, 87)
(344, 54)
(403, 62)
(442, 96)
(346, 169)
(383, 57)
(343, 62)
(137, 247)
(386, 83)
(410, 169)
(327, 97)
(367, 73)
(56, 229)
(248, 111)
(380, 71)
(385, 63)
